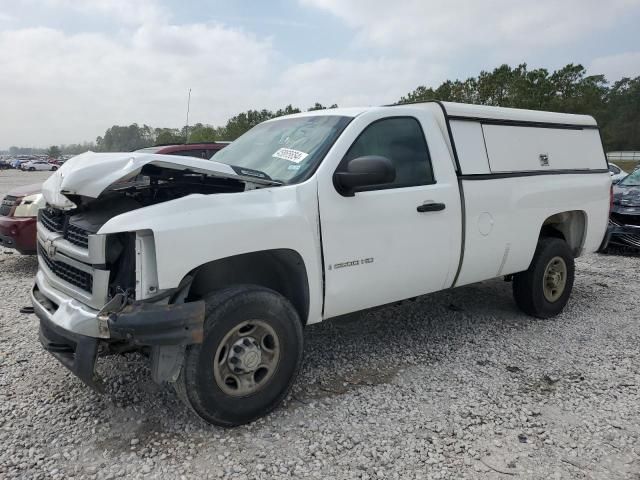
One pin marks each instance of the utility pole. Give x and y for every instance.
(186, 130)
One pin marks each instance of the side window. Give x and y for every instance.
(402, 141)
(613, 169)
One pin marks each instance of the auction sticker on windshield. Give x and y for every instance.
(295, 156)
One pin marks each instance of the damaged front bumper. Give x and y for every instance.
(74, 333)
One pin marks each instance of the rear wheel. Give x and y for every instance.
(544, 289)
(249, 357)
(54, 168)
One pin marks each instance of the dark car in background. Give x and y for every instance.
(18, 215)
(624, 221)
(198, 150)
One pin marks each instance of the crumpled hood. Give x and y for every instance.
(92, 173)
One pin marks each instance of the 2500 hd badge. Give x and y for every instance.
(352, 263)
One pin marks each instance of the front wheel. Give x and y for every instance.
(32, 169)
(54, 168)
(249, 357)
(543, 290)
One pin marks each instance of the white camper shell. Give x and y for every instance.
(489, 137)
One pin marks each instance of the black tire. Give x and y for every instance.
(32, 169)
(528, 286)
(54, 168)
(225, 310)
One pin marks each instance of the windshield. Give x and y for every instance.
(631, 180)
(287, 150)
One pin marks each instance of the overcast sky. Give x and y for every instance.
(69, 69)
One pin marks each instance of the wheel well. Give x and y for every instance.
(282, 270)
(569, 226)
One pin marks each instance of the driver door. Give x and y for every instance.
(393, 241)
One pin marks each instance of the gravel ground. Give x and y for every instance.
(458, 384)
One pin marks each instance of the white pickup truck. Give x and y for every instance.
(215, 267)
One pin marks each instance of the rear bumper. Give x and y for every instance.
(18, 233)
(73, 333)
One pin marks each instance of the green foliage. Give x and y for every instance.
(569, 89)
(243, 122)
(133, 137)
(125, 139)
(77, 148)
(13, 150)
(288, 110)
(202, 133)
(54, 152)
(621, 120)
(319, 106)
(166, 136)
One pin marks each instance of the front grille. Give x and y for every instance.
(622, 219)
(51, 220)
(630, 239)
(7, 204)
(55, 221)
(76, 235)
(68, 273)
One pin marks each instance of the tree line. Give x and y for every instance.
(615, 106)
(132, 137)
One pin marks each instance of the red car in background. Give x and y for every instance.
(19, 209)
(199, 150)
(18, 213)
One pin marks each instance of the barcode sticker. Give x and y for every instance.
(295, 156)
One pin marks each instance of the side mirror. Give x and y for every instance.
(364, 172)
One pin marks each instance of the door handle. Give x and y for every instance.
(431, 207)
